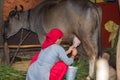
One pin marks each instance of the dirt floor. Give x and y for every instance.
(22, 65)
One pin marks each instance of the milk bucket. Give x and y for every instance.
(71, 73)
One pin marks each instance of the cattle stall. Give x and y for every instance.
(27, 47)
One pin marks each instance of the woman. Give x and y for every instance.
(50, 54)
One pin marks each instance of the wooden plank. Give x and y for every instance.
(26, 46)
(22, 46)
(118, 58)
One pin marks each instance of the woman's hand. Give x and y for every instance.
(70, 49)
(74, 53)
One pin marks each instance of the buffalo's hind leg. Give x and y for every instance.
(91, 49)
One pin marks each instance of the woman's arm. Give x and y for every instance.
(63, 56)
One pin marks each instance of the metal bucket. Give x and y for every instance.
(71, 73)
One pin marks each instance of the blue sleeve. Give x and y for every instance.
(63, 56)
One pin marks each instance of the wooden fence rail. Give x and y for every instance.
(25, 46)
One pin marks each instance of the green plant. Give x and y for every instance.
(8, 73)
(82, 64)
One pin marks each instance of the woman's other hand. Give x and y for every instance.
(70, 49)
(74, 53)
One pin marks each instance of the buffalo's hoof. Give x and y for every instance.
(89, 78)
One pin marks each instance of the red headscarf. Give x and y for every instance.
(51, 37)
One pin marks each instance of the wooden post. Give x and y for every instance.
(1, 30)
(118, 57)
(1, 21)
(119, 4)
(4, 55)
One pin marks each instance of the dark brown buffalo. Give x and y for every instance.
(79, 18)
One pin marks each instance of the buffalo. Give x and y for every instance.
(76, 18)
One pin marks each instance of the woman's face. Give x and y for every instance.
(59, 41)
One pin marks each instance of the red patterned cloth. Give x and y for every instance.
(60, 68)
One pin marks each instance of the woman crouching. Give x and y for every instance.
(51, 53)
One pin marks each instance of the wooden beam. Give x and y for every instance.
(26, 46)
(22, 46)
(118, 58)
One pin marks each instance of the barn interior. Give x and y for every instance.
(24, 49)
